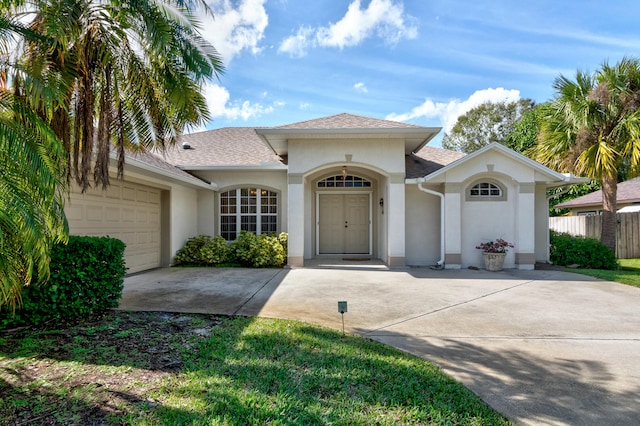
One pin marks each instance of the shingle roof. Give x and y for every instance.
(347, 121)
(243, 147)
(628, 192)
(428, 160)
(229, 146)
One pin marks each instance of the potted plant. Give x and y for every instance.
(494, 253)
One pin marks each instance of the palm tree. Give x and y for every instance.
(79, 78)
(592, 128)
(31, 182)
(131, 74)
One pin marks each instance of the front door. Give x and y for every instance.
(344, 223)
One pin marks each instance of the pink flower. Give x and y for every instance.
(497, 246)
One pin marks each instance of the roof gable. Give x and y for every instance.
(347, 126)
(552, 177)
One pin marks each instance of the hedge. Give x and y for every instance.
(566, 249)
(258, 251)
(87, 277)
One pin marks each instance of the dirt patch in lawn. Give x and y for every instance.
(93, 372)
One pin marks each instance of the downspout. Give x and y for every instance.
(440, 263)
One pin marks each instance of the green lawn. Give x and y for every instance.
(176, 369)
(629, 272)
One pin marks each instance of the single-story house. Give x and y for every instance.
(343, 185)
(627, 200)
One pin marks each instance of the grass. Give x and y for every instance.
(628, 273)
(231, 371)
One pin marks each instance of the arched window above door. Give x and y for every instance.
(344, 181)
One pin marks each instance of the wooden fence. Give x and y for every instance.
(628, 238)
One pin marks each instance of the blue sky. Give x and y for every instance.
(420, 61)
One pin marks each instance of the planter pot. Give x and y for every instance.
(494, 261)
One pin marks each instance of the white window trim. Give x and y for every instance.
(339, 177)
(501, 187)
(238, 214)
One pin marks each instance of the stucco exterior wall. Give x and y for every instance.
(512, 218)
(542, 225)
(381, 160)
(488, 220)
(184, 217)
(206, 213)
(383, 154)
(422, 234)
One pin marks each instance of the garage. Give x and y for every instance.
(127, 211)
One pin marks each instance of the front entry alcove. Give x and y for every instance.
(344, 215)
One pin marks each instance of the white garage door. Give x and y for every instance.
(127, 211)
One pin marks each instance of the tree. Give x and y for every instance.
(79, 78)
(130, 73)
(31, 182)
(484, 124)
(592, 128)
(525, 130)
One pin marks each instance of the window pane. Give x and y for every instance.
(268, 224)
(228, 227)
(248, 223)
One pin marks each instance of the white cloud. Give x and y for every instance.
(360, 87)
(218, 102)
(381, 18)
(448, 112)
(305, 105)
(297, 45)
(237, 26)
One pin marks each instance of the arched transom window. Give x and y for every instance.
(248, 209)
(344, 181)
(487, 190)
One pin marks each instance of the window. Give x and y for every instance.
(486, 190)
(347, 181)
(248, 209)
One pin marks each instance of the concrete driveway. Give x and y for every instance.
(542, 347)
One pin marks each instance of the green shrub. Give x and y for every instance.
(245, 248)
(249, 249)
(87, 277)
(568, 249)
(215, 251)
(271, 252)
(283, 237)
(191, 253)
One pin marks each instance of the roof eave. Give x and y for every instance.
(141, 165)
(235, 167)
(415, 138)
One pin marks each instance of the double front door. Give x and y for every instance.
(344, 223)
